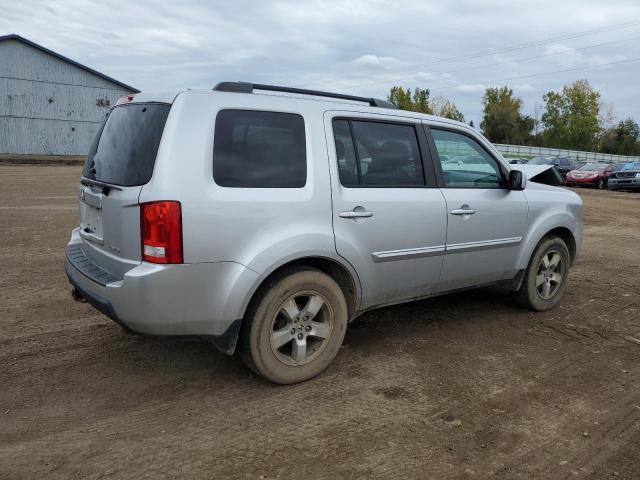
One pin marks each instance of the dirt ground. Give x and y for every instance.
(464, 386)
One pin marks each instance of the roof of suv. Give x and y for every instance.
(330, 100)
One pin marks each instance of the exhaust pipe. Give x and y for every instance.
(77, 296)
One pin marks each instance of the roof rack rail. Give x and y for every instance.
(245, 87)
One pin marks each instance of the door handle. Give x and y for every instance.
(463, 210)
(357, 212)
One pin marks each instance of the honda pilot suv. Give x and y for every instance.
(264, 219)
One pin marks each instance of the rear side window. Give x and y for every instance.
(377, 154)
(255, 149)
(125, 148)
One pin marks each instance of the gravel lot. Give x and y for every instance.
(463, 386)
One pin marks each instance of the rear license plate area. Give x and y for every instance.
(91, 212)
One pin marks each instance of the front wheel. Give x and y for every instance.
(546, 276)
(294, 328)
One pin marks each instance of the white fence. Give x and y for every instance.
(521, 150)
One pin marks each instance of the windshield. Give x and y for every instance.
(631, 166)
(124, 150)
(593, 167)
(541, 161)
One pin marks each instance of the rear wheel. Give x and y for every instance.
(546, 276)
(600, 184)
(294, 327)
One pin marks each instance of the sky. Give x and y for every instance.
(455, 48)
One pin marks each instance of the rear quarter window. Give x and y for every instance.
(125, 148)
(255, 149)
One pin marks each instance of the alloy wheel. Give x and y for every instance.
(549, 276)
(301, 328)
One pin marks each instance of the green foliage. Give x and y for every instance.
(572, 117)
(502, 120)
(623, 139)
(416, 101)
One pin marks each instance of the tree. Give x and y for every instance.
(624, 139)
(572, 117)
(443, 107)
(416, 101)
(502, 120)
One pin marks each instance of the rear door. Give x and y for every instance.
(486, 220)
(389, 218)
(120, 161)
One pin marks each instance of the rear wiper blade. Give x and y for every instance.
(98, 183)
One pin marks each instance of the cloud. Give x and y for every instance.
(471, 88)
(357, 46)
(374, 61)
(523, 87)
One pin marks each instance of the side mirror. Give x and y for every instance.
(517, 180)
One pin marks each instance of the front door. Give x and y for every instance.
(486, 220)
(389, 218)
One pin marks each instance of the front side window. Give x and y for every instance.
(465, 163)
(254, 149)
(377, 154)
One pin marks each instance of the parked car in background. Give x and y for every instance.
(628, 177)
(590, 174)
(265, 223)
(518, 161)
(563, 164)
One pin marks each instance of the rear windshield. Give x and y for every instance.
(124, 150)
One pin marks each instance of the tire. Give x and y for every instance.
(534, 295)
(294, 326)
(600, 185)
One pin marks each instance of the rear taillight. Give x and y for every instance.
(161, 231)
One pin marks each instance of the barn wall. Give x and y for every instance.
(49, 106)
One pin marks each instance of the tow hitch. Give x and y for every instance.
(77, 296)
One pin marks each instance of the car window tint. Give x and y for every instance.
(385, 154)
(256, 149)
(345, 153)
(125, 148)
(465, 164)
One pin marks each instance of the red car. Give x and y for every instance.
(590, 174)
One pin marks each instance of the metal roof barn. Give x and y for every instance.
(50, 104)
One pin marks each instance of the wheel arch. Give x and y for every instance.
(561, 231)
(342, 274)
(567, 236)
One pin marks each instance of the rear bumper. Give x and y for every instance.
(205, 300)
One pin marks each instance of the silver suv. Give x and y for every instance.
(263, 219)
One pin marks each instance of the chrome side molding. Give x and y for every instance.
(394, 255)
